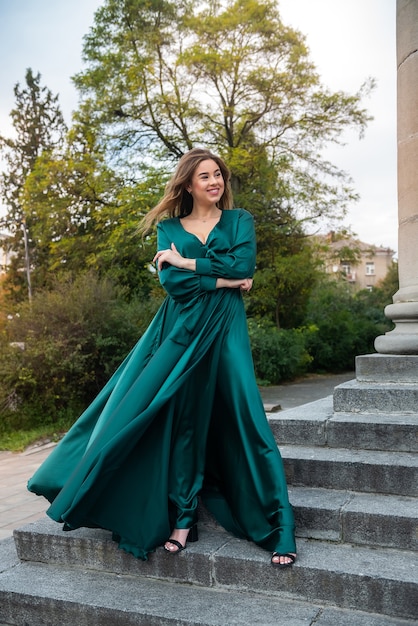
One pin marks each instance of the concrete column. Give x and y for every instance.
(387, 382)
(404, 310)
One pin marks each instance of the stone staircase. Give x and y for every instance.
(353, 481)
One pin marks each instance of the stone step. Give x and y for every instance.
(356, 518)
(375, 580)
(365, 397)
(35, 595)
(317, 424)
(354, 470)
(349, 517)
(387, 368)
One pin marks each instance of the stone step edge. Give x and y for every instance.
(375, 457)
(349, 517)
(321, 494)
(166, 603)
(323, 409)
(355, 396)
(357, 518)
(213, 543)
(317, 423)
(382, 472)
(325, 572)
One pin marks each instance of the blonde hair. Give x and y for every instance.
(177, 201)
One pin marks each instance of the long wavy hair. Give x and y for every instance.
(177, 201)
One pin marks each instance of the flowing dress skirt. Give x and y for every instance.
(182, 417)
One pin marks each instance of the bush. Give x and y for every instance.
(346, 325)
(74, 338)
(278, 355)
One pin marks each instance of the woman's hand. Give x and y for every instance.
(173, 257)
(244, 284)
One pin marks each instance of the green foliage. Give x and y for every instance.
(386, 288)
(39, 127)
(162, 77)
(74, 336)
(19, 440)
(84, 216)
(346, 325)
(287, 272)
(287, 267)
(278, 355)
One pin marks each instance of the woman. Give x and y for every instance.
(182, 415)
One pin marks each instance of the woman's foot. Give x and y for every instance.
(283, 560)
(178, 539)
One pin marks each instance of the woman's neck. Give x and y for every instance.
(205, 213)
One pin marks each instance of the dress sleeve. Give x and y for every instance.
(181, 284)
(239, 260)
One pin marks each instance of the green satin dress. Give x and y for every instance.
(181, 418)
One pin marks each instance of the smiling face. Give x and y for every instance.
(207, 184)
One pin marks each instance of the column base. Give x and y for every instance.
(397, 343)
(403, 339)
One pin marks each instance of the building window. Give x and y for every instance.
(370, 269)
(349, 274)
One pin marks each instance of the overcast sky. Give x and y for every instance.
(349, 41)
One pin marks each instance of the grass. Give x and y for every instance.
(19, 440)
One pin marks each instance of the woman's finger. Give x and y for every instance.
(159, 254)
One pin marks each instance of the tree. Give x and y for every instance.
(164, 76)
(85, 216)
(39, 128)
(282, 287)
(389, 285)
(160, 78)
(287, 266)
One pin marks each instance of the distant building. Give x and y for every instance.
(363, 265)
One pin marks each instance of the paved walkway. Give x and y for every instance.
(19, 507)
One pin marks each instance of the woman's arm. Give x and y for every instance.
(239, 260)
(174, 258)
(236, 262)
(178, 281)
(232, 269)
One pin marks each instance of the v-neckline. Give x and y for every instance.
(209, 233)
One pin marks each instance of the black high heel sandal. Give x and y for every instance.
(191, 537)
